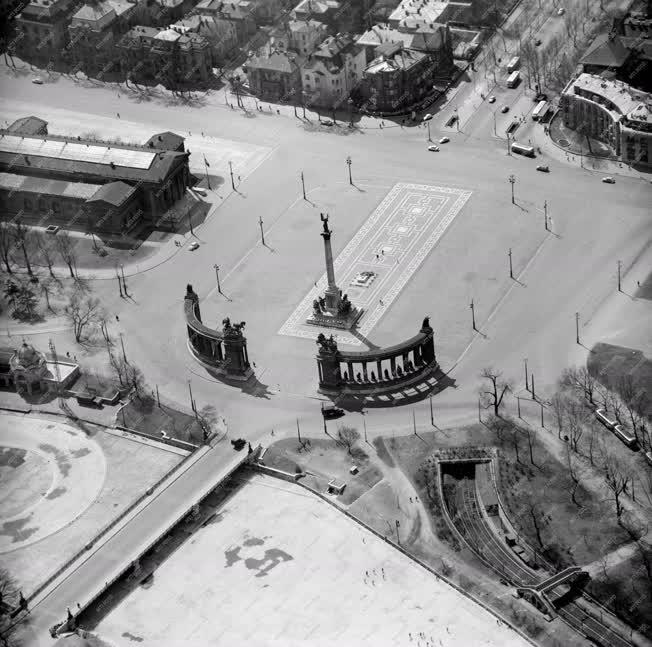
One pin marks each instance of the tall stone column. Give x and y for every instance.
(332, 294)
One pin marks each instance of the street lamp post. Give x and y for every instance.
(231, 171)
(303, 186)
(429, 137)
(432, 415)
(527, 386)
(619, 266)
(545, 214)
(511, 270)
(509, 148)
(577, 327)
(512, 181)
(473, 314)
(124, 283)
(348, 162)
(495, 132)
(262, 233)
(124, 355)
(217, 276)
(350, 103)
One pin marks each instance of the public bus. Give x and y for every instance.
(625, 436)
(514, 64)
(521, 149)
(540, 111)
(513, 79)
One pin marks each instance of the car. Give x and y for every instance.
(561, 11)
(327, 122)
(504, 109)
(330, 411)
(444, 140)
(193, 246)
(492, 99)
(537, 42)
(199, 191)
(608, 180)
(37, 81)
(543, 169)
(541, 96)
(428, 117)
(648, 457)
(434, 149)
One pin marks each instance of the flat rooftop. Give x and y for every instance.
(279, 566)
(78, 152)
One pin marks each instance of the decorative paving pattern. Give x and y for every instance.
(392, 243)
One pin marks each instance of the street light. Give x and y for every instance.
(511, 270)
(217, 276)
(512, 181)
(231, 171)
(262, 233)
(303, 186)
(348, 162)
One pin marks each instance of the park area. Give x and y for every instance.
(278, 566)
(61, 485)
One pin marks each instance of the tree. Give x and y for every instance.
(574, 477)
(66, 248)
(558, 406)
(515, 444)
(10, 598)
(46, 251)
(497, 389)
(576, 416)
(21, 299)
(22, 237)
(348, 436)
(6, 244)
(580, 380)
(82, 311)
(634, 400)
(616, 481)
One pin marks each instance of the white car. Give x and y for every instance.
(492, 99)
(193, 246)
(561, 11)
(200, 191)
(608, 180)
(37, 81)
(434, 149)
(444, 140)
(428, 117)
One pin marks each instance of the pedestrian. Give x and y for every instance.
(117, 113)
(254, 363)
(117, 318)
(381, 302)
(638, 283)
(238, 178)
(75, 357)
(410, 499)
(278, 112)
(377, 257)
(78, 605)
(272, 432)
(366, 573)
(382, 251)
(67, 353)
(381, 125)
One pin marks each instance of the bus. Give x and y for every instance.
(514, 64)
(600, 415)
(626, 436)
(513, 79)
(521, 149)
(540, 111)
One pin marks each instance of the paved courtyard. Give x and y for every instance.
(279, 566)
(390, 247)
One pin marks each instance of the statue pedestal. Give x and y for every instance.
(328, 320)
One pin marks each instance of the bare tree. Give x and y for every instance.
(10, 598)
(574, 475)
(616, 481)
(537, 520)
(22, 237)
(634, 400)
(66, 248)
(348, 436)
(515, 442)
(45, 249)
(572, 23)
(528, 433)
(82, 311)
(580, 380)
(497, 389)
(6, 244)
(576, 416)
(558, 406)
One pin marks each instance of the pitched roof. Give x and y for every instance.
(167, 141)
(28, 125)
(607, 50)
(42, 186)
(114, 193)
(278, 61)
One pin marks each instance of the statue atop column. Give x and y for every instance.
(332, 310)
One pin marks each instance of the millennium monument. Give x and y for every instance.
(333, 310)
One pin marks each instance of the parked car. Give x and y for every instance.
(434, 149)
(444, 140)
(326, 122)
(37, 81)
(561, 11)
(504, 109)
(193, 246)
(330, 411)
(492, 99)
(543, 169)
(541, 96)
(537, 42)
(200, 191)
(608, 180)
(428, 117)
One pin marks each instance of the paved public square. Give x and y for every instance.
(390, 246)
(278, 566)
